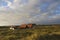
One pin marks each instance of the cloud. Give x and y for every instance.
(29, 11)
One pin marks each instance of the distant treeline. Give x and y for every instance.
(33, 25)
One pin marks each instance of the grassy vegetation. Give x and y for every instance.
(38, 32)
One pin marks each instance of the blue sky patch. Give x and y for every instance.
(24, 1)
(44, 6)
(3, 3)
(11, 0)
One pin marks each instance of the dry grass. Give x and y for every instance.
(36, 33)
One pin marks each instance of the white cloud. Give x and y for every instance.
(17, 13)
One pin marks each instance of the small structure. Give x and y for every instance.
(22, 26)
(25, 26)
(12, 28)
(29, 25)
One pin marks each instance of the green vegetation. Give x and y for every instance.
(38, 32)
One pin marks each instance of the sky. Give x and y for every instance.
(17, 12)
